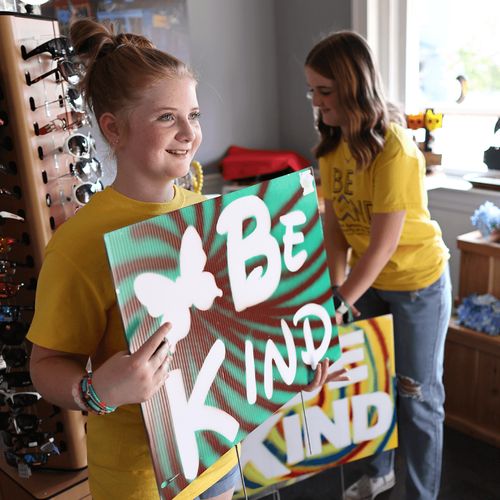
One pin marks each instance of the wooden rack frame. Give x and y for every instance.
(37, 178)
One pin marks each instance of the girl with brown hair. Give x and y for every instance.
(372, 176)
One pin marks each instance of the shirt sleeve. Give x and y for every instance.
(69, 313)
(397, 182)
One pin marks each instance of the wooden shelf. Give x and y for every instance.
(43, 484)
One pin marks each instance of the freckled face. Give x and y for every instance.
(324, 96)
(163, 131)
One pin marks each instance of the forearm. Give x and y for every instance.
(338, 264)
(364, 273)
(336, 247)
(55, 377)
(384, 239)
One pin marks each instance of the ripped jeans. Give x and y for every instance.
(420, 324)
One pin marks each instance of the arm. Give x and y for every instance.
(335, 244)
(54, 373)
(385, 233)
(122, 379)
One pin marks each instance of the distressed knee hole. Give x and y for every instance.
(409, 388)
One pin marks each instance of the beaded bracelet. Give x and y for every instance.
(91, 399)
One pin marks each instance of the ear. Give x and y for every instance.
(110, 128)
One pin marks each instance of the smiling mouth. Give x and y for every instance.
(178, 152)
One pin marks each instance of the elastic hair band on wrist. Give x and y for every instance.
(343, 307)
(77, 397)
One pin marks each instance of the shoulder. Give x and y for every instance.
(398, 141)
(190, 197)
(84, 230)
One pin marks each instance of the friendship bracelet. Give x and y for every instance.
(90, 397)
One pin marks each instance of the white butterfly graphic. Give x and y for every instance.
(172, 300)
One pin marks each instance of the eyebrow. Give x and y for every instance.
(168, 108)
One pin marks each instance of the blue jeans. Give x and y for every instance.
(224, 484)
(420, 324)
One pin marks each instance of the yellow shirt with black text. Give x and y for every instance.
(392, 183)
(77, 312)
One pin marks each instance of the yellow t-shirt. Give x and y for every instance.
(394, 182)
(77, 312)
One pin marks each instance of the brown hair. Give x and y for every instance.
(119, 67)
(346, 58)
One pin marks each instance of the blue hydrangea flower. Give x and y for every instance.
(486, 218)
(480, 313)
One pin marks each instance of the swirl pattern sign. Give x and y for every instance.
(243, 280)
(346, 421)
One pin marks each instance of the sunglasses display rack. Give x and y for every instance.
(38, 184)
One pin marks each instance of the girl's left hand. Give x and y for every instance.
(322, 377)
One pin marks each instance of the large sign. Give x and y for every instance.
(340, 423)
(243, 279)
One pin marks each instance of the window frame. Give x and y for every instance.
(391, 29)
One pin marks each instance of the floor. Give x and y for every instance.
(471, 471)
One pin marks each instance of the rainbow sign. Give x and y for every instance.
(346, 421)
(243, 279)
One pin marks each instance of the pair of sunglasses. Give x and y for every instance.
(16, 400)
(10, 313)
(78, 145)
(57, 47)
(15, 192)
(13, 379)
(7, 268)
(21, 423)
(88, 171)
(8, 168)
(6, 242)
(70, 71)
(62, 124)
(32, 459)
(10, 215)
(32, 440)
(8, 289)
(84, 192)
(13, 357)
(73, 97)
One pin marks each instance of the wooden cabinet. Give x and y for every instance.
(472, 382)
(472, 359)
(479, 265)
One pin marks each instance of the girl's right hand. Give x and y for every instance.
(134, 378)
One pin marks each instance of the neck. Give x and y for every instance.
(150, 192)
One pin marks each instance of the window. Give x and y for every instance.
(433, 54)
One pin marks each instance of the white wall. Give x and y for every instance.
(249, 57)
(300, 24)
(233, 52)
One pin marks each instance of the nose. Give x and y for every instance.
(185, 132)
(316, 99)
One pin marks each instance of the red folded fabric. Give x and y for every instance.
(243, 163)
